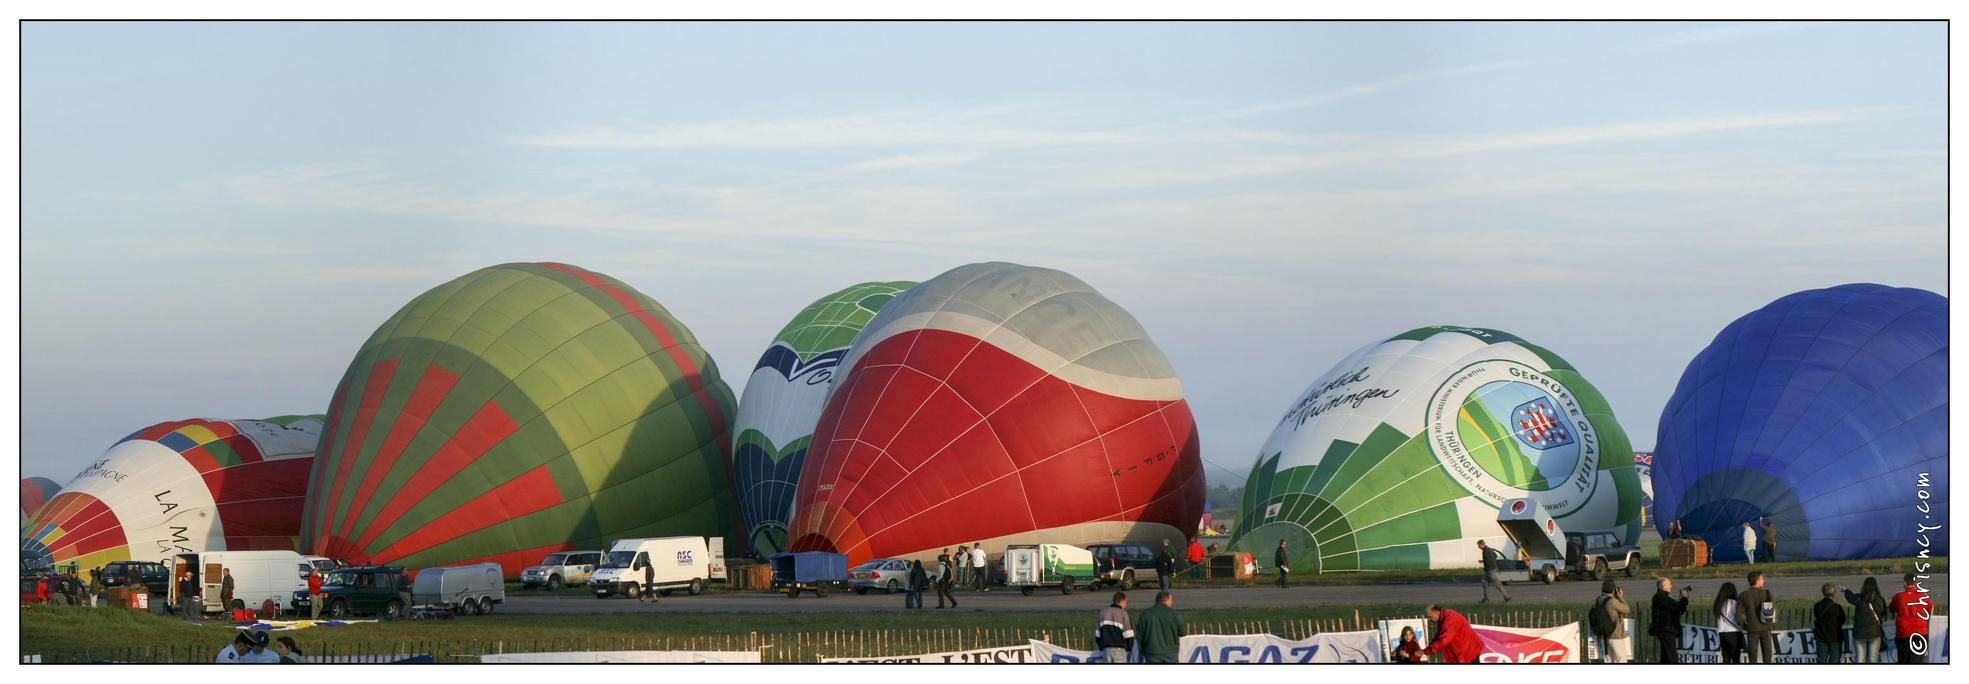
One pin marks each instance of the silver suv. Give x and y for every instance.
(561, 569)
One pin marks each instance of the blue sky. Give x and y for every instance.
(214, 216)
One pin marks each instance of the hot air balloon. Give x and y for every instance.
(1825, 412)
(784, 398)
(182, 486)
(1644, 463)
(1399, 456)
(1002, 404)
(518, 410)
(34, 492)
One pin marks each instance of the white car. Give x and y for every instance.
(887, 574)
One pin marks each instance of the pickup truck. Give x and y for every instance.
(1594, 552)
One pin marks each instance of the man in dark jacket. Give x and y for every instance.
(188, 597)
(946, 575)
(225, 591)
(1284, 563)
(1454, 638)
(1829, 625)
(1491, 558)
(1665, 625)
(1165, 566)
(1768, 535)
(1162, 631)
(1113, 633)
(1760, 646)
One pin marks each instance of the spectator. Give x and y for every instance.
(1490, 559)
(188, 594)
(240, 646)
(1212, 550)
(1165, 566)
(314, 595)
(1409, 650)
(979, 575)
(913, 587)
(259, 652)
(1729, 634)
(290, 653)
(41, 593)
(1113, 633)
(1829, 625)
(946, 574)
(1770, 534)
(1454, 638)
(649, 583)
(963, 566)
(1665, 624)
(225, 591)
(1757, 610)
(1615, 645)
(1911, 613)
(1749, 545)
(1283, 562)
(1162, 630)
(1195, 557)
(1869, 609)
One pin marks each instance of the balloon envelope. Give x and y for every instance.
(34, 492)
(784, 398)
(1399, 456)
(518, 410)
(1002, 404)
(1824, 412)
(182, 486)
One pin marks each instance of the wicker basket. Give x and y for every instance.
(1684, 553)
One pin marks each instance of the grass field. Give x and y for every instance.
(77, 633)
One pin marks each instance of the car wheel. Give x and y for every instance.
(663, 592)
(1066, 586)
(1128, 581)
(697, 586)
(393, 610)
(1026, 591)
(339, 609)
(553, 584)
(1633, 566)
(793, 592)
(821, 590)
(861, 591)
(632, 591)
(894, 587)
(1599, 569)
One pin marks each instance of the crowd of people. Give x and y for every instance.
(255, 647)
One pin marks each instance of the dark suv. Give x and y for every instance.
(155, 576)
(371, 589)
(1593, 553)
(1126, 565)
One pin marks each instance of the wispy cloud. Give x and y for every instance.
(1711, 34)
(1347, 93)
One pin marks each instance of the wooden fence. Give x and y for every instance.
(809, 647)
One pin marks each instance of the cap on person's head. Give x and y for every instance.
(1607, 587)
(260, 638)
(243, 638)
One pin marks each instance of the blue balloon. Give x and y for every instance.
(1826, 411)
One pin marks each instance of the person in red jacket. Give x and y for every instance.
(1194, 554)
(1454, 638)
(1911, 611)
(314, 595)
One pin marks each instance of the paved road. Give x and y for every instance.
(1229, 597)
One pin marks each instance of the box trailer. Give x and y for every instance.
(465, 589)
(1030, 566)
(1537, 536)
(816, 571)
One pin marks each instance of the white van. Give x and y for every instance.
(468, 589)
(679, 562)
(256, 576)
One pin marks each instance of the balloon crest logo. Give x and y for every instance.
(1504, 430)
(1517, 507)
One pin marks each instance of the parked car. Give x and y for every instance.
(1594, 552)
(566, 568)
(1126, 565)
(155, 576)
(370, 590)
(322, 564)
(31, 590)
(886, 574)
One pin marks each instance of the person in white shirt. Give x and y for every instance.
(1749, 544)
(240, 646)
(978, 574)
(1729, 634)
(260, 653)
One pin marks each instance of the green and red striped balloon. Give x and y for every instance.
(518, 410)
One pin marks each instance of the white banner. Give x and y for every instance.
(624, 657)
(1005, 654)
(1937, 648)
(1517, 645)
(1339, 647)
